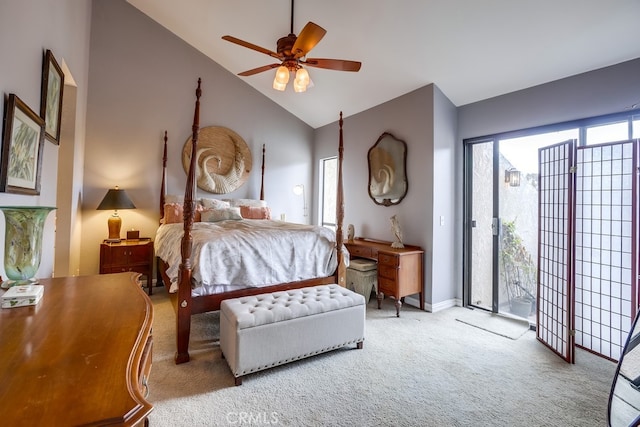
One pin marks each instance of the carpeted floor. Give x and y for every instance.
(422, 369)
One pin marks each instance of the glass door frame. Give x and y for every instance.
(469, 224)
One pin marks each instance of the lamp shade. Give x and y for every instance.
(116, 199)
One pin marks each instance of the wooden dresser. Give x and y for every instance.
(400, 271)
(82, 356)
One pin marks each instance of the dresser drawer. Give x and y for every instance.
(388, 259)
(141, 254)
(359, 251)
(387, 272)
(387, 286)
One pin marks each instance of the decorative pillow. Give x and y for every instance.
(173, 212)
(250, 212)
(247, 202)
(214, 203)
(215, 215)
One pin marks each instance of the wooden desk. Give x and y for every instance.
(81, 356)
(400, 270)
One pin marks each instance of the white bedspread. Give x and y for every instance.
(229, 255)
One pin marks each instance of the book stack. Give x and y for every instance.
(22, 295)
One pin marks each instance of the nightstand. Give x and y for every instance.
(128, 255)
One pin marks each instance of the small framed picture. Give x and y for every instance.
(22, 145)
(51, 102)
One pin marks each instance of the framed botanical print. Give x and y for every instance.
(22, 146)
(51, 102)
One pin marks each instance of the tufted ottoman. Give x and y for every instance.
(261, 331)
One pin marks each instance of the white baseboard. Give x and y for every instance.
(432, 308)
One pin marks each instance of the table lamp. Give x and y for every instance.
(115, 199)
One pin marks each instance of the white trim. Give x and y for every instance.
(432, 308)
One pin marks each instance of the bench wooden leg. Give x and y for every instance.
(238, 381)
(360, 344)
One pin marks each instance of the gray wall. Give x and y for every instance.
(607, 90)
(410, 118)
(142, 82)
(27, 29)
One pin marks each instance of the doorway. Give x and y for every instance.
(551, 231)
(502, 212)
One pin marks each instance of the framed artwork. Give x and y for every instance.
(51, 102)
(22, 145)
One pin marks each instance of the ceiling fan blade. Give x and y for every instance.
(258, 70)
(333, 64)
(252, 46)
(310, 35)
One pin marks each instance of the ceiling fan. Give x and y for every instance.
(292, 53)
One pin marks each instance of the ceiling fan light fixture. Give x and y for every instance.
(282, 75)
(279, 86)
(292, 51)
(302, 76)
(298, 86)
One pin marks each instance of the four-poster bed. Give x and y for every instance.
(185, 300)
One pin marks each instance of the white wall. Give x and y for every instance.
(27, 29)
(143, 81)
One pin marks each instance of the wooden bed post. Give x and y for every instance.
(183, 318)
(163, 185)
(262, 179)
(342, 269)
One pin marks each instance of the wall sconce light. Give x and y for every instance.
(115, 199)
(299, 190)
(512, 177)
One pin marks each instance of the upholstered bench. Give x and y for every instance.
(262, 331)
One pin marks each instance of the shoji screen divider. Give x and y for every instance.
(588, 247)
(555, 237)
(606, 242)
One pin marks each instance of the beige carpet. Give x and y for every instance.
(421, 369)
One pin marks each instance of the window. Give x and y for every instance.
(328, 190)
(609, 132)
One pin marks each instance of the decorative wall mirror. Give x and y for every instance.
(388, 170)
(624, 400)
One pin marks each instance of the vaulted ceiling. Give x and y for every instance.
(472, 50)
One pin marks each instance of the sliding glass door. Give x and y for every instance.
(481, 231)
(502, 217)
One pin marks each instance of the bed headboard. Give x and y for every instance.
(163, 185)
